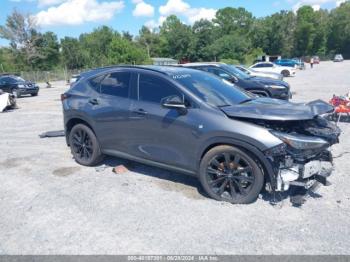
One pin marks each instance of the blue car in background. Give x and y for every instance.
(286, 62)
(300, 63)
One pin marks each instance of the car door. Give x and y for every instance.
(267, 67)
(258, 67)
(109, 105)
(157, 133)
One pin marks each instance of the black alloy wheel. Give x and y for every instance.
(229, 174)
(84, 145)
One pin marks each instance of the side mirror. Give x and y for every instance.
(174, 102)
(234, 79)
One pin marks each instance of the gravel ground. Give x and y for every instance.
(51, 205)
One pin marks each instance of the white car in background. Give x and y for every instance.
(273, 68)
(252, 72)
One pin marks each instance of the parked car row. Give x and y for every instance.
(196, 119)
(260, 86)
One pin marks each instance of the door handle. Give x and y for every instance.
(140, 111)
(93, 101)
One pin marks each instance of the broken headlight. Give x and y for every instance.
(301, 142)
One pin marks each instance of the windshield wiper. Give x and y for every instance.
(246, 101)
(220, 106)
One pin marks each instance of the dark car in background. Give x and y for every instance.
(257, 85)
(192, 122)
(18, 86)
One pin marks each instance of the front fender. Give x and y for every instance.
(266, 164)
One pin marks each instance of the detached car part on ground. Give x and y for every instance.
(195, 123)
(18, 86)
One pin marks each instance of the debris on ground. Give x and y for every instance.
(121, 169)
(101, 168)
(58, 133)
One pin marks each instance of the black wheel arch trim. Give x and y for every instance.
(266, 164)
(79, 119)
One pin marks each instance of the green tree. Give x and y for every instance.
(274, 34)
(177, 38)
(151, 41)
(204, 34)
(339, 30)
(305, 31)
(95, 46)
(231, 20)
(21, 31)
(72, 53)
(48, 51)
(122, 51)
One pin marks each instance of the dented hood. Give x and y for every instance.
(275, 109)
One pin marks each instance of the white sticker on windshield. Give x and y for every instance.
(181, 76)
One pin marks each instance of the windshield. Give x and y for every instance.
(238, 73)
(212, 89)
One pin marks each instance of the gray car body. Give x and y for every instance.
(163, 137)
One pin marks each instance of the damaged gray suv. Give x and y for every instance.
(192, 122)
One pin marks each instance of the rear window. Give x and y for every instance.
(116, 84)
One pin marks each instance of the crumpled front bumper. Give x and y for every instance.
(304, 174)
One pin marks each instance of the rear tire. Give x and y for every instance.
(230, 174)
(285, 73)
(84, 146)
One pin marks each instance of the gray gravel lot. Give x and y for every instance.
(51, 205)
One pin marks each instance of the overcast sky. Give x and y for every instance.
(72, 17)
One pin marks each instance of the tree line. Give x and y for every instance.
(233, 36)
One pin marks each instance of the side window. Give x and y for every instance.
(219, 73)
(96, 82)
(154, 89)
(258, 66)
(116, 84)
(268, 65)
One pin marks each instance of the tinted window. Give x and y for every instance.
(268, 65)
(95, 82)
(116, 84)
(219, 72)
(154, 89)
(213, 90)
(258, 66)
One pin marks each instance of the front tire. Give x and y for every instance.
(230, 174)
(35, 94)
(285, 73)
(84, 146)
